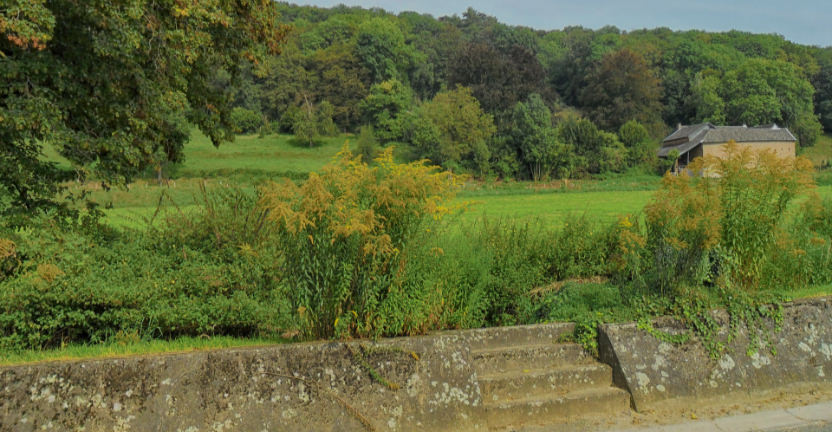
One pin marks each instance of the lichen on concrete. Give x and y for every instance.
(802, 350)
(314, 386)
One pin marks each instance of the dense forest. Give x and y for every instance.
(490, 99)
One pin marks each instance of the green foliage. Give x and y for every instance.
(498, 78)
(582, 248)
(806, 129)
(621, 88)
(344, 235)
(537, 140)
(367, 146)
(311, 122)
(760, 91)
(198, 274)
(453, 129)
(106, 84)
(384, 109)
(587, 305)
(246, 120)
(640, 148)
(719, 230)
(588, 142)
(803, 256)
(497, 266)
(822, 81)
(381, 47)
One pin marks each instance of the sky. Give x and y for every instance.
(802, 21)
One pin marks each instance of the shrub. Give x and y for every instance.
(81, 282)
(8, 258)
(343, 233)
(726, 225)
(519, 259)
(581, 248)
(492, 266)
(246, 120)
(367, 146)
(803, 255)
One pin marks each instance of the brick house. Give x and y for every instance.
(705, 139)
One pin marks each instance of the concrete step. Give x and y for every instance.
(534, 356)
(556, 408)
(520, 384)
(517, 335)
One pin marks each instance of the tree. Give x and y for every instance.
(367, 146)
(313, 121)
(381, 47)
(585, 139)
(383, 109)
(498, 79)
(536, 139)
(622, 87)
(822, 81)
(106, 82)
(338, 76)
(761, 91)
(452, 129)
(705, 99)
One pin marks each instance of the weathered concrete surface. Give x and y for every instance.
(299, 387)
(655, 371)
(252, 390)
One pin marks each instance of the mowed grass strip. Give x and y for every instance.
(554, 208)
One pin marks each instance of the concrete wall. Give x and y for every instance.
(656, 372)
(323, 387)
(780, 148)
(251, 390)
(298, 387)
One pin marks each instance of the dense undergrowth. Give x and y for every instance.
(369, 251)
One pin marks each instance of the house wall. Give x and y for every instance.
(696, 152)
(780, 148)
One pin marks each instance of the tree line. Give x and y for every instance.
(472, 93)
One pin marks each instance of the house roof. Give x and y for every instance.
(685, 138)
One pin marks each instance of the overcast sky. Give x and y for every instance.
(802, 21)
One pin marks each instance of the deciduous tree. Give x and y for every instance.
(452, 128)
(620, 88)
(104, 81)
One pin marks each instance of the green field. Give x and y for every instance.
(821, 153)
(251, 160)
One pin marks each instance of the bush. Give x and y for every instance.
(803, 255)
(581, 249)
(81, 282)
(246, 120)
(367, 146)
(8, 258)
(519, 260)
(344, 232)
(492, 266)
(726, 226)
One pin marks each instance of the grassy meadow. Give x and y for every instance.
(251, 160)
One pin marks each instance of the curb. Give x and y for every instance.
(817, 415)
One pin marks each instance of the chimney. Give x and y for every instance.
(678, 126)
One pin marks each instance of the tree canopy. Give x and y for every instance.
(110, 84)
